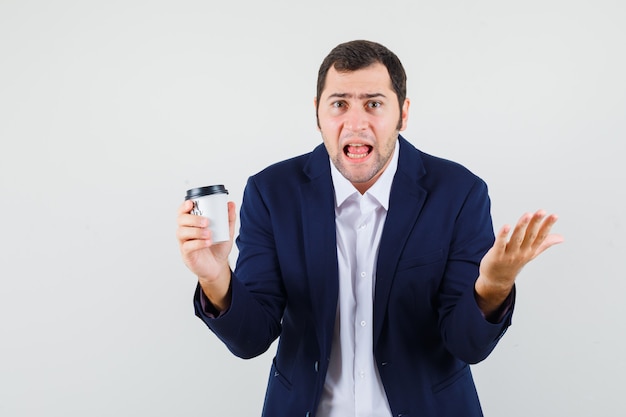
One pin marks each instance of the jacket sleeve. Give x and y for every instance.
(464, 329)
(253, 320)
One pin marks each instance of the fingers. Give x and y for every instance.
(531, 233)
(192, 232)
(538, 237)
(533, 228)
(502, 238)
(544, 238)
(520, 232)
(185, 233)
(185, 218)
(548, 242)
(185, 207)
(193, 227)
(232, 218)
(191, 245)
(543, 230)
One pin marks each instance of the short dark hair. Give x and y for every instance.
(359, 54)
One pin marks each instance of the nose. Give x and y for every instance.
(356, 119)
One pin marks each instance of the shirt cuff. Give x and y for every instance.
(497, 316)
(207, 307)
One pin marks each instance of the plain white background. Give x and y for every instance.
(110, 111)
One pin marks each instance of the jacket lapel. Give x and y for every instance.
(405, 203)
(320, 244)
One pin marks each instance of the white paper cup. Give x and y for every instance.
(212, 202)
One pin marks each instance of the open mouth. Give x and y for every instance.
(357, 150)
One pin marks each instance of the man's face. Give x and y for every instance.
(358, 117)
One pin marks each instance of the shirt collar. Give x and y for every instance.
(380, 190)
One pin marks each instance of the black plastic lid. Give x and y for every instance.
(208, 190)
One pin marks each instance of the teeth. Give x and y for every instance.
(357, 155)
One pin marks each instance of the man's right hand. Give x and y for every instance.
(207, 260)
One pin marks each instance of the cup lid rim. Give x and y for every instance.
(208, 190)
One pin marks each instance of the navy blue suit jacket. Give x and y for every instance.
(427, 325)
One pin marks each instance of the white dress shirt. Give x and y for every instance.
(353, 387)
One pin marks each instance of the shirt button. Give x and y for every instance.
(363, 274)
(362, 374)
(363, 323)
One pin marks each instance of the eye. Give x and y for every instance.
(338, 104)
(374, 104)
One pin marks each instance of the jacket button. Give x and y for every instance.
(317, 366)
(308, 414)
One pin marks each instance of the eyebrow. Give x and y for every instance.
(360, 96)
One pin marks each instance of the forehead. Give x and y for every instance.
(373, 79)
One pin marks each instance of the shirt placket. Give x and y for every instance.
(363, 286)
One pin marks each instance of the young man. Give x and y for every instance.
(374, 262)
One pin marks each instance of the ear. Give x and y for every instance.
(405, 113)
(317, 119)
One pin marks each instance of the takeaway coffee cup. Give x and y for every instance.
(211, 202)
